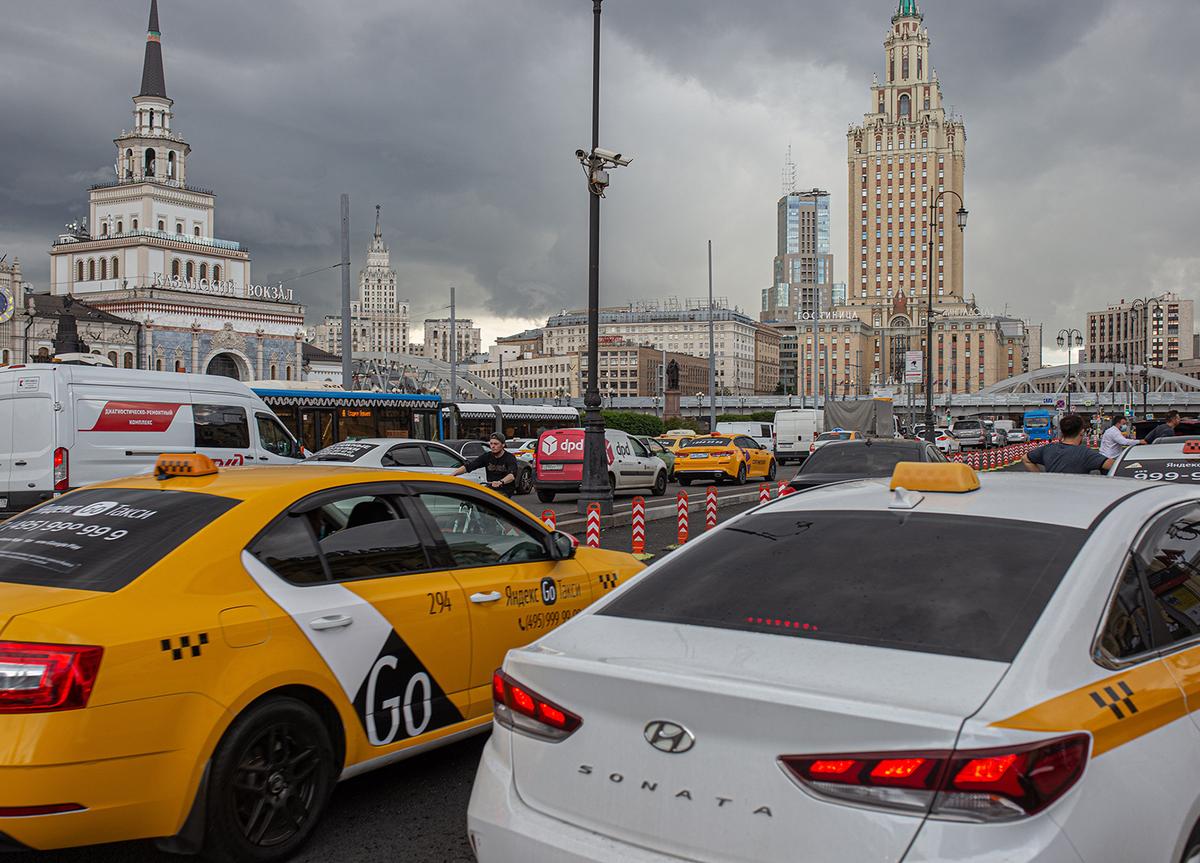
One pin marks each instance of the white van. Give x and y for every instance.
(763, 433)
(64, 426)
(795, 430)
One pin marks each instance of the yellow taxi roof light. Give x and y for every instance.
(184, 464)
(952, 477)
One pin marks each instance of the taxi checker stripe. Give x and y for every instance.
(1154, 700)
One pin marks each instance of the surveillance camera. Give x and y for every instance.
(580, 154)
(612, 156)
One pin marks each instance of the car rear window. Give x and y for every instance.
(102, 539)
(968, 425)
(935, 583)
(1181, 469)
(876, 459)
(344, 452)
(834, 436)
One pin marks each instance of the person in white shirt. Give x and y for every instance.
(1114, 441)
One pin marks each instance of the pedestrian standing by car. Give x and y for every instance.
(1164, 429)
(1068, 455)
(500, 465)
(1114, 442)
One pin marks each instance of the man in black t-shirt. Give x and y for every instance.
(500, 465)
(1165, 429)
(1070, 455)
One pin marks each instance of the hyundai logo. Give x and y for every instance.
(669, 737)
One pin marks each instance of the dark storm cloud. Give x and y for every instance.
(460, 118)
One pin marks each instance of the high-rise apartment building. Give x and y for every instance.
(1158, 332)
(906, 152)
(803, 258)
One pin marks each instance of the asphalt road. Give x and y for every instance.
(414, 811)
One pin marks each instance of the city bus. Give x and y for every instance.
(477, 420)
(321, 417)
(1040, 424)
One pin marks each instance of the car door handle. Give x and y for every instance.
(331, 621)
(20, 463)
(494, 596)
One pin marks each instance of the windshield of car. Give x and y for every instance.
(102, 538)
(1037, 422)
(1175, 469)
(834, 436)
(709, 441)
(346, 451)
(965, 586)
(874, 460)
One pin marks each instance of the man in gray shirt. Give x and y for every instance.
(1068, 455)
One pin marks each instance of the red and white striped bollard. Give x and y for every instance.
(593, 525)
(764, 493)
(681, 507)
(639, 525)
(710, 507)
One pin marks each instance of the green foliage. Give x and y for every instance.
(633, 423)
(684, 423)
(756, 417)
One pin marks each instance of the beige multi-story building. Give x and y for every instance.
(531, 376)
(628, 369)
(437, 338)
(1158, 331)
(681, 328)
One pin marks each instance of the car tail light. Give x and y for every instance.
(521, 709)
(973, 785)
(62, 472)
(45, 677)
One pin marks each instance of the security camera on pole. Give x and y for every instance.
(596, 164)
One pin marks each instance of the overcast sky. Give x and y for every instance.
(461, 118)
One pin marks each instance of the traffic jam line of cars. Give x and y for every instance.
(905, 662)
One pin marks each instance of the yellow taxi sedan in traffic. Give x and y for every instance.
(199, 656)
(723, 457)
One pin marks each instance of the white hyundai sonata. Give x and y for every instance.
(991, 670)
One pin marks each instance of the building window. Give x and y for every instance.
(179, 227)
(162, 226)
(190, 270)
(116, 267)
(158, 365)
(204, 271)
(128, 360)
(135, 223)
(216, 272)
(112, 358)
(196, 231)
(175, 267)
(171, 165)
(79, 271)
(91, 270)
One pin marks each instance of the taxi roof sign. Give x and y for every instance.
(184, 464)
(952, 477)
(1191, 447)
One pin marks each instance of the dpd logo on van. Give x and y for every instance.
(549, 591)
(550, 445)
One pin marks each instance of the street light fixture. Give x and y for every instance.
(1144, 305)
(1070, 338)
(596, 164)
(961, 221)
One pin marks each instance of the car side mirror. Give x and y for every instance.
(562, 545)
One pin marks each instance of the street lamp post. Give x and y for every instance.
(596, 164)
(1071, 338)
(1144, 305)
(961, 219)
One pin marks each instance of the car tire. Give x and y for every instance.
(741, 475)
(660, 484)
(545, 496)
(525, 481)
(285, 742)
(771, 471)
(1191, 848)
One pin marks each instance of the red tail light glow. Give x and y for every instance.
(519, 709)
(62, 470)
(37, 678)
(976, 785)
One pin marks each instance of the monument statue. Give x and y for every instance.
(672, 375)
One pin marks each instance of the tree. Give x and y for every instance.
(633, 423)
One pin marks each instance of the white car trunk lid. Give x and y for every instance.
(745, 698)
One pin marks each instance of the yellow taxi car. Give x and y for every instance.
(673, 442)
(723, 457)
(199, 656)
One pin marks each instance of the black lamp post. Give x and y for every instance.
(596, 164)
(1071, 338)
(1144, 305)
(935, 226)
